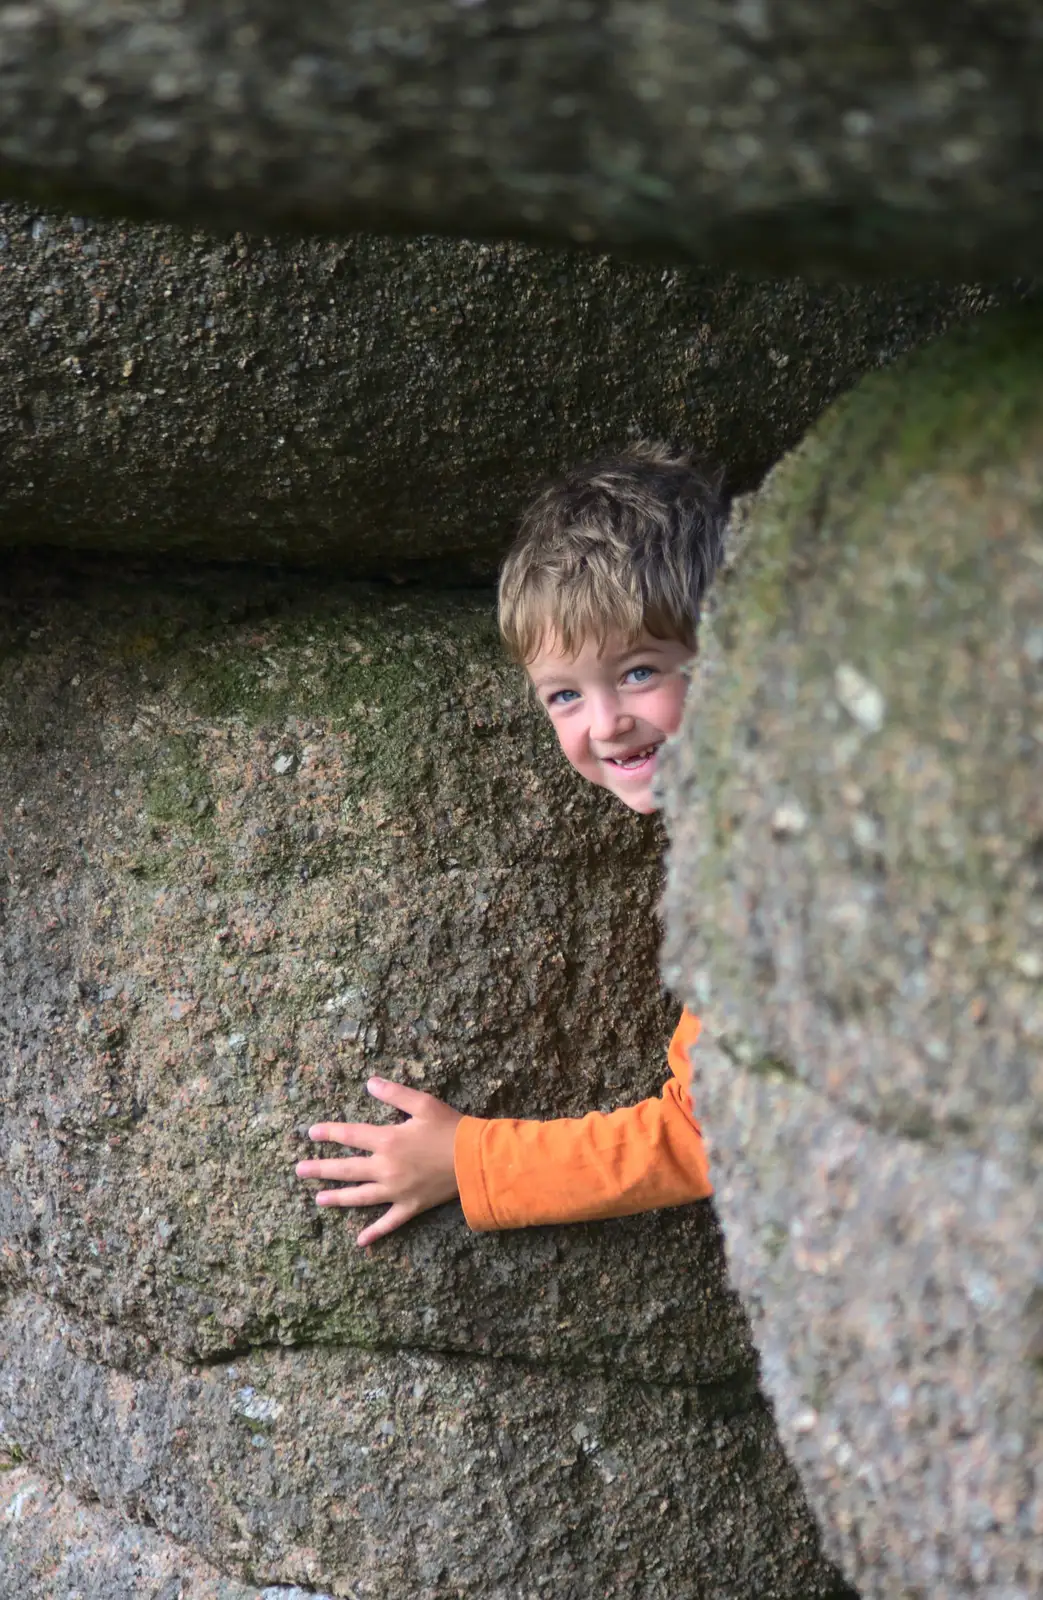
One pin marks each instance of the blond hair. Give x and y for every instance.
(618, 546)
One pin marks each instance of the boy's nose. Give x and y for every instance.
(609, 721)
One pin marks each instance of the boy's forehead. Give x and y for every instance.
(551, 654)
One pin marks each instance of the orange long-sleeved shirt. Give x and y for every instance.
(514, 1174)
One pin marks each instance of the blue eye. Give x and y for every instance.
(639, 674)
(559, 697)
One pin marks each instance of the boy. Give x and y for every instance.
(599, 602)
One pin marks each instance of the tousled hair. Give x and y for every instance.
(623, 544)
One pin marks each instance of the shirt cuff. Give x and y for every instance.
(470, 1175)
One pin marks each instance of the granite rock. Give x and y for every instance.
(856, 816)
(377, 1474)
(382, 405)
(264, 835)
(279, 836)
(866, 135)
(55, 1547)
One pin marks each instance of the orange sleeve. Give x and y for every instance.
(514, 1174)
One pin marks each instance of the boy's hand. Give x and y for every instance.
(411, 1165)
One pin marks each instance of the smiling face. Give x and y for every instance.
(612, 709)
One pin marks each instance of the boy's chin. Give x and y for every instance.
(642, 802)
(636, 797)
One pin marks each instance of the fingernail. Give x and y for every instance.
(374, 1083)
(301, 1169)
(322, 1200)
(313, 1131)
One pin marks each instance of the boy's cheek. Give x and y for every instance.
(671, 713)
(565, 744)
(583, 764)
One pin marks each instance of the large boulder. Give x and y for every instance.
(263, 837)
(866, 134)
(856, 811)
(378, 403)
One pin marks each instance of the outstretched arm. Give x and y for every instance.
(514, 1174)
(511, 1173)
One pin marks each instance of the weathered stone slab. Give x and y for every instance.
(402, 1473)
(55, 1547)
(380, 404)
(262, 839)
(866, 134)
(856, 810)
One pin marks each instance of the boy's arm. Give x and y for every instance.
(514, 1174)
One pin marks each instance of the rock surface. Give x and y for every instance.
(867, 134)
(856, 815)
(262, 837)
(383, 405)
(54, 1547)
(383, 1474)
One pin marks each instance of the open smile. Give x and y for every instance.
(637, 761)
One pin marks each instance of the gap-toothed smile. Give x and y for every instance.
(637, 759)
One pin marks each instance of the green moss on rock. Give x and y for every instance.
(855, 813)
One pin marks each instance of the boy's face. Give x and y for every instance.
(612, 710)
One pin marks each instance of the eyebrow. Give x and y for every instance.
(655, 648)
(567, 670)
(558, 679)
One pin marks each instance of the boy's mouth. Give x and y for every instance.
(632, 763)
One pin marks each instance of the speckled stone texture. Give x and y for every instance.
(261, 837)
(855, 903)
(385, 405)
(404, 1473)
(54, 1547)
(865, 134)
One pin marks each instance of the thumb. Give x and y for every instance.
(414, 1102)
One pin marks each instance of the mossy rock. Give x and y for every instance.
(854, 903)
(267, 837)
(407, 1472)
(859, 138)
(867, 745)
(264, 836)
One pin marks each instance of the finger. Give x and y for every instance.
(362, 1135)
(359, 1194)
(414, 1102)
(350, 1169)
(393, 1218)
